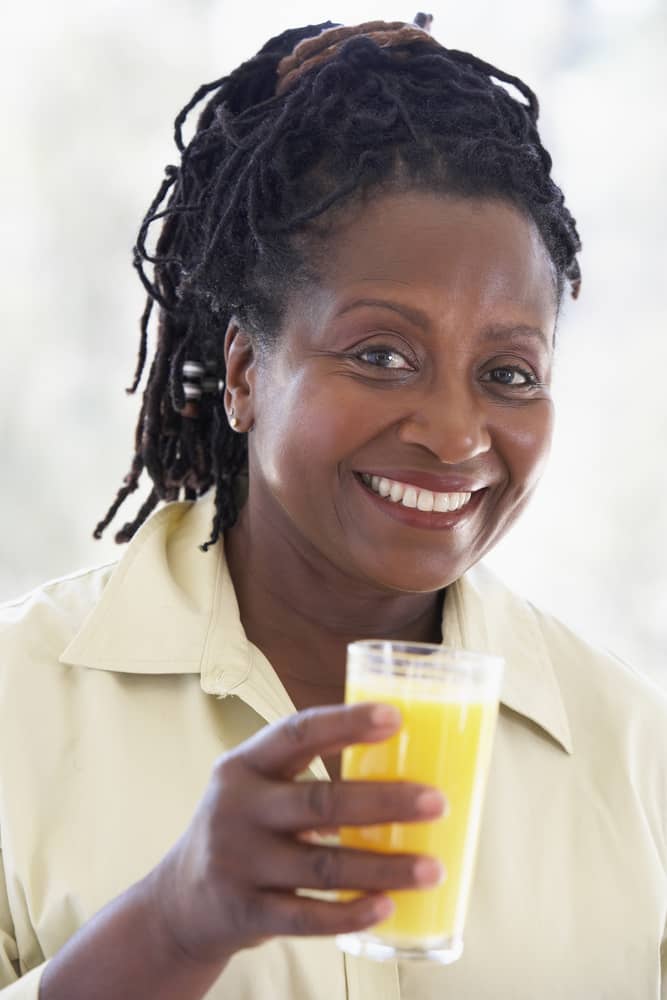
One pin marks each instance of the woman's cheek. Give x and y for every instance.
(526, 442)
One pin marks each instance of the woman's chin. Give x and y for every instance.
(412, 576)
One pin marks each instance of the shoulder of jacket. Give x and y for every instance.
(601, 670)
(583, 669)
(52, 612)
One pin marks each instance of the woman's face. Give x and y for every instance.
(403, 417)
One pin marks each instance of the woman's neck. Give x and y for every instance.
(302, 611)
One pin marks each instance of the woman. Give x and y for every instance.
(358, 275)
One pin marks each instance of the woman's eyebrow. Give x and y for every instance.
(411, 313)
(501, 331)
(498, 331)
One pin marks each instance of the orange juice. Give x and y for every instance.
(445, 741)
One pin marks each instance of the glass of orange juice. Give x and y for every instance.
(448, 700)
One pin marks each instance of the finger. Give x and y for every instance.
(314, 805)
(322, 835)
(284, 913)
(290, 864)
(287, 747)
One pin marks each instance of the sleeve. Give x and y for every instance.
(13, 986)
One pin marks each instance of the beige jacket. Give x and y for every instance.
(120, 686)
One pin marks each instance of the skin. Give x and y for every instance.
(479, 276)
(328, 564)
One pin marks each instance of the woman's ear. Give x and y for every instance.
(240, 378)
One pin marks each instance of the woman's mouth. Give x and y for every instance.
(413, 497)
(418, 507)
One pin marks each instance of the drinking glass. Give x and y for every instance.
(448, 700)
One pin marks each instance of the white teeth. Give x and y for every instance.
(396, 492)
(425, 500)
(410, 497)
(441, 503)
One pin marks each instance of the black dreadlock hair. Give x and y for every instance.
(263, 165)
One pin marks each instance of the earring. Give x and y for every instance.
(233, 421)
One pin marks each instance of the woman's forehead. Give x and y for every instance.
(429, 246)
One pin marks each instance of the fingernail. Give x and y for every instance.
(385, 715)
(383, 908)
(431, 802)
(428, 871)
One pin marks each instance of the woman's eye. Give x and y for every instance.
(384, 357)
(510, 375)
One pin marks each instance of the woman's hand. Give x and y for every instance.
(229, 882)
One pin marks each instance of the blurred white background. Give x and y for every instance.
(90, 91)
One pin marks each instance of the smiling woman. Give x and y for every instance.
(422, 356)
(358, 278)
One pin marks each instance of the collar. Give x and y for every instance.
(482, 614)
(169, 608)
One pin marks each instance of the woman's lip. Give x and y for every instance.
(414, 518)
(428, 480)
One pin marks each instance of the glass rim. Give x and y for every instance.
(423, 656)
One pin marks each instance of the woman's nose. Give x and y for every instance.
(452, 424)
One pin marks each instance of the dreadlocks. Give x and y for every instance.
(319, 117)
